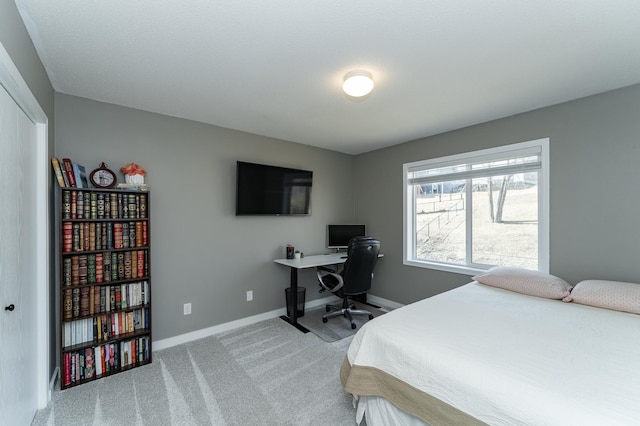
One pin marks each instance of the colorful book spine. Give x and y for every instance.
(68, 168)
(74, 205)
(127, 265)
(66, 272)
(100, 206)
(110, 235)
(80, 204)
(86, 236)
(67, 237)
(114, 266)
(82, 270)
(143, 206)
(92, 236)
(139, 234)
(117, 235)
(145, 235)
(125, 235)
(120, 266)
(120, 208)
(67, 313)
(114, 206)
(76, 174)
(118, 297)
(91, 268)
(57, 170)
(76, 237)
(140, 263)
(93, 205)
(99, 267)
(75, 270)
(66, 204)
(98, 236)
(75, 299)
(107, 266)
(96, 300)
(132, 234)
(92, 298)
(86, 206)
(134, 264)
(84, 301)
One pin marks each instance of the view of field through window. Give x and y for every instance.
(502, 233)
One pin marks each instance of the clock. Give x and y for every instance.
(102, 177)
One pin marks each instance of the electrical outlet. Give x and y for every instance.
(249, 295)
(187, 308)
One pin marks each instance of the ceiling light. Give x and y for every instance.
(357, 83)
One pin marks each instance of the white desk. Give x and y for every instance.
(306, 262)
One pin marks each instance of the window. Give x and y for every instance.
(469, 212)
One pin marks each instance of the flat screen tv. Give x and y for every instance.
(338, 236)
(269, 190)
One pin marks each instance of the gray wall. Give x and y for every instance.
(16, 41)
(201, 252)
(594, 198)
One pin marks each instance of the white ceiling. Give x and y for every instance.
(275, 68)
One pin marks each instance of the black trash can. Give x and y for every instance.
(300, 301)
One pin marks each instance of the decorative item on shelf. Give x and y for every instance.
(133, 177)
(102, 177)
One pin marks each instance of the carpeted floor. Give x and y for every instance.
(267, 373)
(339, 327)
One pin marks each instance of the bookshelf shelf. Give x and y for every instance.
(105, 283)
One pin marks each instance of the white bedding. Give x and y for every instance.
(511, 359)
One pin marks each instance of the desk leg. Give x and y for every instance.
(293, 303)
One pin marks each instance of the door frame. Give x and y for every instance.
(18, 89)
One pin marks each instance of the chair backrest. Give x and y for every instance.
(362, 255)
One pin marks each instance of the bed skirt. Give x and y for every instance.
(369, 381)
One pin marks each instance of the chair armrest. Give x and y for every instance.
(324, 286)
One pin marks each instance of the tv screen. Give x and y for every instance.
(338, 236)
(271, 190)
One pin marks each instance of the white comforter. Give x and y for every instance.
(510, 359)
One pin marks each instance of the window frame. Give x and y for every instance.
(409, 216)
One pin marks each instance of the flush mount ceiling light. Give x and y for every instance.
(357, 83)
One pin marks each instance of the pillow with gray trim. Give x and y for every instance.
(525, 281)
(616, 295)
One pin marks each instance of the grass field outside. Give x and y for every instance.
(514, 242)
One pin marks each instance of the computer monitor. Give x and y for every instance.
(338, 236)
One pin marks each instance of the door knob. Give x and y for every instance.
(11, 307)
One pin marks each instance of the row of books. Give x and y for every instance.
(69, 174)
(103, 205)
(104, 327)
(104, 267)
(94, 362)
(93, 300)
(90, 236)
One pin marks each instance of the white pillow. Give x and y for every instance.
(616, 295)
(525, 281)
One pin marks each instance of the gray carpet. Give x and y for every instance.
(267, 373)
(338, 327)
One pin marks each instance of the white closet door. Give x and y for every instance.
(18, 275)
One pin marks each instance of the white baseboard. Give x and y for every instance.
(385, 303)
(210, 331)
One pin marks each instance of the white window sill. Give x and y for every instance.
(458, 269)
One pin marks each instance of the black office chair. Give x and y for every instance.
(354, 279)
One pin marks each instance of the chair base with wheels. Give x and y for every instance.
(355, 278)
(346, 310)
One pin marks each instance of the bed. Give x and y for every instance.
(479, 354)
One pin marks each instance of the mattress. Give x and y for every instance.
(478, 354)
